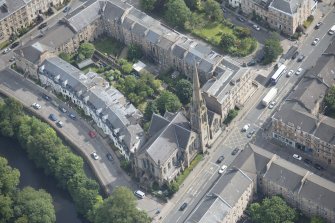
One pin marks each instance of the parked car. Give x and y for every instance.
(245, 127)
(252, 63)
(183, 206)
(289, 74)
(318, 167)
(235, 151)
(295, 55)
(109, 157)
(46, 97)
(6, 51)
(316, 41)
(241, 19)
(36, 106)
(298, 71)
(308, 161)
(15, 44)
(62, 109)
(72, 116)
(221, 158)
(251, 133)
(272, 104)
(53, 117)
(92, 134)
(12, 59)
(317, 26)
(66, 9)
(95, 156)
(222, 169)
(296, 156)
(43, 25)
(301, 58)
(59, 124)
(256, 27)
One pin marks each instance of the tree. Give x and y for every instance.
(213, 10)
(193, 4)
(177, 13)
(272, 209)
(150, 109)
(126, 67)
(9, 177)
(148, 5)
(242, 32)
(65, 56)
(184, 91)
(86, 49)
(272, 49)
(227, 40)
(168, 102)
(317, 219)
(231, 115)
(6, 208)
(120, 207)
(36, 205)
(329, 101)
(134, 52)
(10, 115)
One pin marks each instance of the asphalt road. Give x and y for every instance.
(256, 115)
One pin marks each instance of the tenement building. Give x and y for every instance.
(109, 109)
(15, 15)
(300, 122)
(283, 15)
(256, 170)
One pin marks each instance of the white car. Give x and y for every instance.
(6, 50)
(256, 27)
(296, 156)
(272, 104)
(289, 74)
(222, 169)
(245, 127)
(95, 156)
(316, 40)
(298, 71)
(36, 106)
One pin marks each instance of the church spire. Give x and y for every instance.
(199, 118)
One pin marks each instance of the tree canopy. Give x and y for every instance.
(227, 40)
(148, 5)
(329, 102)
(272, 209)
(177, 13)
(86, 50)
(272, 49)
(317, 219)
(9, 177)
(120, 207)
(168, 102)
(213, 10)
(184, 91)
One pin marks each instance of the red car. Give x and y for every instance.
(92, 134)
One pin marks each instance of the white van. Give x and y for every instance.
(139, 194)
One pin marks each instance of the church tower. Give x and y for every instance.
(199, 117)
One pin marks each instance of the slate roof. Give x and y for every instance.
(114, 10)
(57, 36)
(167, 136)
(32, 52)
(12, 6)
(288, 6)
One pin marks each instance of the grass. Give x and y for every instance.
(187, 171)
(109, 46)
(212, 32)
(4, 44)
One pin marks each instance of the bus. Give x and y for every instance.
(275, 77)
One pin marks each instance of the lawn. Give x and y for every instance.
(212, 32)
(109, 46)
(180, 179)
(4, 44)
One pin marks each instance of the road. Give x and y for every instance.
(256, 115)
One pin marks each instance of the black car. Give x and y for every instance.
(183, 206)
(235, 151)
(318, 167)
(71, 115)
(53, 117)
(308, 161)
(43, 25)
(252, 63)
(15, 44)
(221, 158)
(109, 157)
(46, 97)
(295, 55)
(301, 58)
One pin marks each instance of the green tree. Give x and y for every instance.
(168, 102)
(184, 91)
(272, 49)
(9, 177)
(65, 56)
(10, 115)
(317, 219)
(126, 67)
(329, 101)
(272, 209)
(177, 13)
(120, 207)
(242, 32)
(227, 40)
(134, 52)
(213, 10)
(86, 49)
(193, 4)
(148, 5)
(150, 109)
(231, 115)
(36, 205)
(6, 208)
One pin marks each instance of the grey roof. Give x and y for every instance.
(114, 9)
(57, 36)
(152, 36)
(33, 52)
(287, 6)
(170, 136)
(10, 7)
(85, 16)
(178, 51)
(139, 29)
